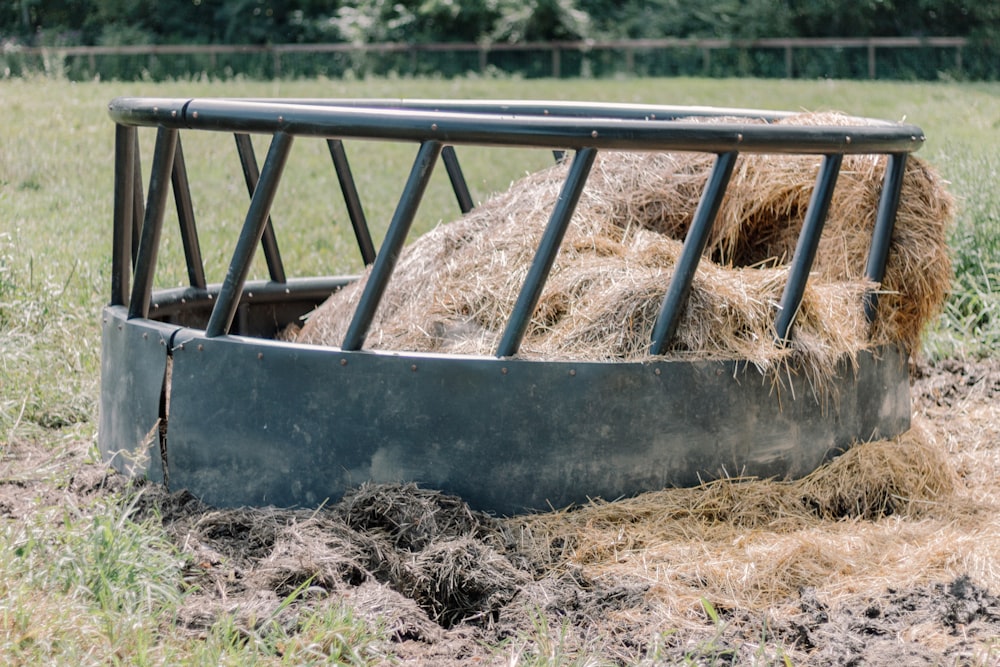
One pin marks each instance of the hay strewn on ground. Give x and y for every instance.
(454, 288)
(887, 555)
(891, 547)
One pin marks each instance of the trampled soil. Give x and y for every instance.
(453, 586)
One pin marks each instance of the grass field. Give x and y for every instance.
(85, 584)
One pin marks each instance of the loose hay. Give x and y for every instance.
(873, 480)
(454, 288)
(841, 565)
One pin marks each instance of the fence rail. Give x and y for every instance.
(563, 55)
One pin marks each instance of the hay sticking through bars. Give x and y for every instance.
(455, 287)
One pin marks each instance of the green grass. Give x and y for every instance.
(89, 586)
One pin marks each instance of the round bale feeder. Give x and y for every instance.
(204, 389)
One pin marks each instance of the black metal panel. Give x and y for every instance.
(133, 366)
(257, 422)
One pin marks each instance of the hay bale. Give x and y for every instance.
(454, 288)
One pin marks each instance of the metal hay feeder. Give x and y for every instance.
(197, 393)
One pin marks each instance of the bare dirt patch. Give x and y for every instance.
(906, 573)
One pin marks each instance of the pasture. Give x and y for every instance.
(93, 572)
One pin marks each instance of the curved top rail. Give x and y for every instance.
(561, 108)
(517, 124)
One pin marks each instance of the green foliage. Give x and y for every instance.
(970, 323)
(415, 21)
(122, 567)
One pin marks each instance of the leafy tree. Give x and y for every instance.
(541, 20)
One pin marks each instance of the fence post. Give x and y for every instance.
(871, 61)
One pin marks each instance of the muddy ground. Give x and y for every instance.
(453, 586)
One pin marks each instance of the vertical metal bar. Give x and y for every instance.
(392, 245)
(694, 245)
(185, 216)
(885, 222)
(548, 247)
(138, 207)
(350, 191)
(152, 224)
(457, 179)
(251, 175)
(121, 250)
(253, 228)
(805, 248)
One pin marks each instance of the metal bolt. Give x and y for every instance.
(249, 295)
(281, 119)
(413, 368)
(503, 371)
(594, 134)
(194, 115)
(739, 137)
(260, 355)
(145, 336)
(656, 371)
(434, 127)
(847, 139)
(201, 348)
(572, 372)
(173, 114)
(343, 362)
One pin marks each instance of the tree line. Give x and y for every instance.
(121, 22)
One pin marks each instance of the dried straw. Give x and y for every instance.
(886, 514)
(454, 288)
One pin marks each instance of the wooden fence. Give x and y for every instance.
(556, 50)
